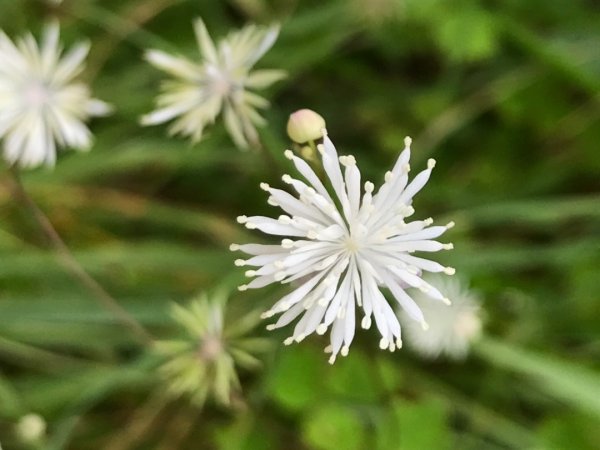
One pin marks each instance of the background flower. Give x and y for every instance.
(222, 82)
(41, 106)
(451, 328)
(203, 363)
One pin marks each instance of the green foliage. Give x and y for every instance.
(296, 381)
(330, 427)
(505, 96)
(422, 425)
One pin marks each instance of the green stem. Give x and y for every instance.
(550, 57)
(480, 416)
(33, 357)
(566, 381)
(67, 259)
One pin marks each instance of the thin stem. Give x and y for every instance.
(30, 356)
(179, 428)
(68, 260)
(141, 423)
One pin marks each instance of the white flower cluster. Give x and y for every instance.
(42, 107)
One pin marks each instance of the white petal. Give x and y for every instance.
(205, 43)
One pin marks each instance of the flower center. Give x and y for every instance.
(36, 94)
(220, 80)
(467, 325)
(221, 86)
(210, 348)
(351, 245)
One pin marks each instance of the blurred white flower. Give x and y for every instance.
(31, 428)
(221, 81)
(41, 106)
(202, 363)
(452, 328)
(341, 256)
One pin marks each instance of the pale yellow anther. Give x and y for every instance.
(287, 243)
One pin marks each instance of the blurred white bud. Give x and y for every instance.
(31, 428)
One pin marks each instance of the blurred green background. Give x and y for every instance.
(504, 94)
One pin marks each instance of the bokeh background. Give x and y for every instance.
(504, 94)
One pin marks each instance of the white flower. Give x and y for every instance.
(220, 82)
(40, 104)
(452, 328)
(341, 256)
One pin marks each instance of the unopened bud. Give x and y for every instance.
(305, 125)
(31, 428)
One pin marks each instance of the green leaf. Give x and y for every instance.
(296, 382)
(566, 431)
(478, 43)
(333, 427)
(355, 371)
(566, 381)
(422, 425)
(10, 401)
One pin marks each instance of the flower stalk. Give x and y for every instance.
(67, 259)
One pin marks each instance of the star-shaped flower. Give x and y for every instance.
(203, 363)
(41, 106)
(341, 250)
(220, 82)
